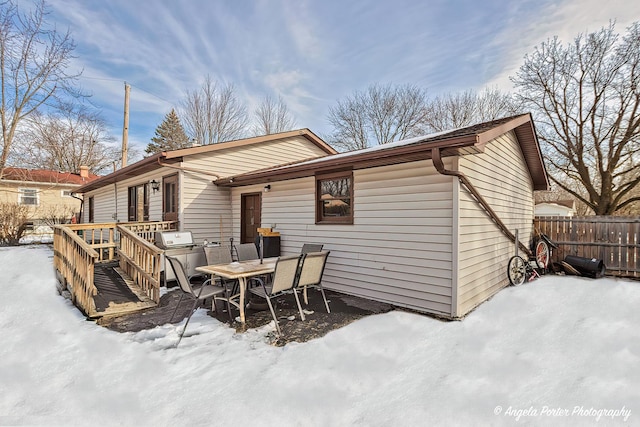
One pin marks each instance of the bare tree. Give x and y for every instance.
(66, 139)
(53, 215)
(586, 100)
(13, 223)
(33, 67)
(214, 113)
(378, 115)
(466, 108)
(272, 116)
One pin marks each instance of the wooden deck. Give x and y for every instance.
(117, 293)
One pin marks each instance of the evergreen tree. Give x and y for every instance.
(170, 135)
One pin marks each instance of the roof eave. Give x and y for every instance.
(414, 152)
(145, 165)
(306, 133)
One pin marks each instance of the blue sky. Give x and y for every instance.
(311, 53)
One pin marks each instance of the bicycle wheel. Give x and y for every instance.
(516, 270)
(542, 254)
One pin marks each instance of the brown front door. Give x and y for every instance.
(170, 198)
(250, 217)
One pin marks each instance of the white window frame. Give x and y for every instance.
(66, 191)
(36, 195)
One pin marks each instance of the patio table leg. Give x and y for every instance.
(242, 281)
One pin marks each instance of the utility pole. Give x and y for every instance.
(125, 127)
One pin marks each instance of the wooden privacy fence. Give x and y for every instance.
(615, 240)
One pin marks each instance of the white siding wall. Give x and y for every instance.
(104, 205)
(105, 202)
(500, 175)
(252, 157)
(206, 209)
(399, 248)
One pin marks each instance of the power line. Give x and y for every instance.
(131, 84)
(152, 94)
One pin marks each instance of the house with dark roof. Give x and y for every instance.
(47, 194)
(427, 223)
(178, 185)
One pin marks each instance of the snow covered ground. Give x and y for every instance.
(557, 351)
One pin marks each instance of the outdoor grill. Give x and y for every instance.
(179, 244)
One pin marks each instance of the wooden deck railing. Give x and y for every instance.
(100, 236)
(77, 247)
(74, 259)
(141, 261)
(147, 230)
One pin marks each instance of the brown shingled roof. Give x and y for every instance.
(467, 140)
(45, 176)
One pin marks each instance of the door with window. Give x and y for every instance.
(170, 198)
(138, 203)
(250, 217)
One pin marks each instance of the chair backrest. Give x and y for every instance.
(247, 251)
(312, 268)
(284, 275)
(217, 255)
(311, 247)
(181, 274)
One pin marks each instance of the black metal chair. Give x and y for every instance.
(198, 292)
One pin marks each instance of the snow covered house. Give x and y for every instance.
(425, 223)
(178, 185)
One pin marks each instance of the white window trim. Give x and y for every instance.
(66, 195)
(20, 196)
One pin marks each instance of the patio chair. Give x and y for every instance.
(284, 281)
(311, 247)
(221, 255)
(246, 251)
(311, 275)
(199, 292)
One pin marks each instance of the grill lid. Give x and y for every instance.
(173, 239)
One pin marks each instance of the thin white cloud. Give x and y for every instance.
(311, 53)
(564, 20)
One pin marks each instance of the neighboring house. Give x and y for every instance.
(401, 227)
(178, 185)
(47, 193)
(556, 208)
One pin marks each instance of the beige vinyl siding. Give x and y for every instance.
(50, 199)
(206, 208)
(399, 248)
(501, 176)
(234, 161)
(105, 203)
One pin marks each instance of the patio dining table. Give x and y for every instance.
(241, 271)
